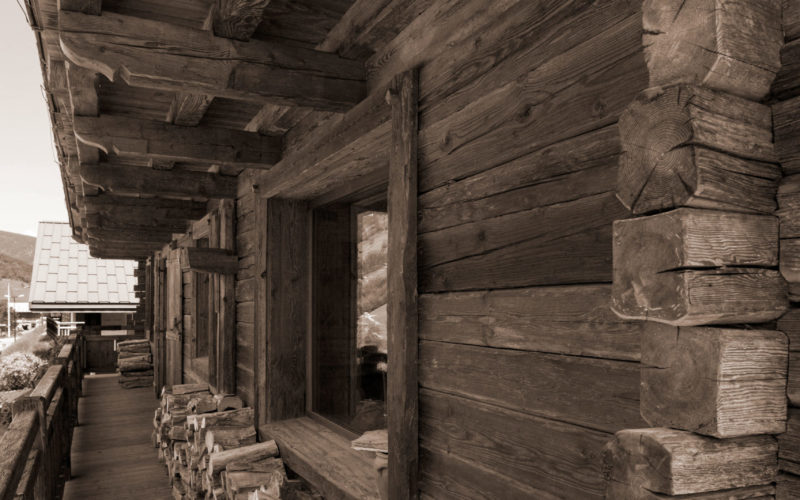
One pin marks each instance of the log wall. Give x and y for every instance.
(524, 370)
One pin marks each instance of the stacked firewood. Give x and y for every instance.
(135, 363)
(209, 445)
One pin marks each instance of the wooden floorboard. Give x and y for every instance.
(112, 455)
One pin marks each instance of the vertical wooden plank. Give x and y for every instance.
(260, 314)
(174, 327)
(403, 390)
(227, 313)
(286, 308)
(213, 306)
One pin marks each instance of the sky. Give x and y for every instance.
(30, 182)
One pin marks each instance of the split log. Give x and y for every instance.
(138, 347)
(134, 365)
(713, 381)
(218, 461)
(722, 44)
(133, 382)
(240, 482)
(202, 403)
(230, 437)
(690, 146)
(675, 462)
(227, 402)
(691, 267)
(181, 389)
(268, 464)
(139, 356)
(243, 416)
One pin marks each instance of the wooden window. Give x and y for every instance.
(349, 336)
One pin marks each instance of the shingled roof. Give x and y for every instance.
(66, 278)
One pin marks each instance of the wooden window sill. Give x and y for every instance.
(324, 458)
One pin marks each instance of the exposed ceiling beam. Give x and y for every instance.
(237, 19)
(136, 181)
(138, 220)
(92, 7)
(152, 235)
(130, 137)
(158, 55)
(188, 109)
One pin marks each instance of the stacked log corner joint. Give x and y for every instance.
(210, 447)
(135, 363)
(699, 173)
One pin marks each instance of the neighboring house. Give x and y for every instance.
(66, 279)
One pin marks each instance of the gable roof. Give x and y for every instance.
(66, 278)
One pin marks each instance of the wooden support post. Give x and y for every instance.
(692, 267)
(721, 44)
(691, 146)
(713, 381)
(673, 462)
(226, 314)
(403, 388)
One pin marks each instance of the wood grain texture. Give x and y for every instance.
(511, 447)
(716, 382)
(789, 443)
(209, 260)
(93, 7)
(187, 110)
(323, 458)
(677, 268)
(402, 389)
(169, 57)
(237, 19)
(595, 393)
(575, 320)
(226, 310)
(675, 462)
(690, 146)
(281, 318)
(720, 44)
(787, 131)
(158, 141)
(166, 183)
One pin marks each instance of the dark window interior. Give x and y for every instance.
(349, 348)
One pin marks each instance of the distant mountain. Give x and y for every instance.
(18, 246)
(16, 263)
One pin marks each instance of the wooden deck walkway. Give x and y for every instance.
(112, 454)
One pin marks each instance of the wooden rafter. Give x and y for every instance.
(136, 181)
(129, 137)
(163, 56)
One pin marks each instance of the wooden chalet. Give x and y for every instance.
(551, 245)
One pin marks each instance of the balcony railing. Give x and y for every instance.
(36, 446)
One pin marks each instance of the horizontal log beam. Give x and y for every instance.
(719, 382)
(209, 260)
(188, 110)
(639, 462)
(159, 141)
(691, 267)
(164, 56)
(146, 181)
(135, 220)
(152, 235)
(722, 44)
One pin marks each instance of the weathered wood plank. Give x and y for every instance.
(143, 180)
(17, 443)
(187, 110)
(578, 167)
(209, 260)
(575, 320)
(402, 391)
(282, 291)
(226, 313)
(237, 19)
(512, 444)
(720, 44)
(163, 56)
(716, 382)
(787, 133)
(598, 394)
(93, 7)
(158, 141)
(689, 267)
(595, 81)
(690, 146)
(789, 443)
